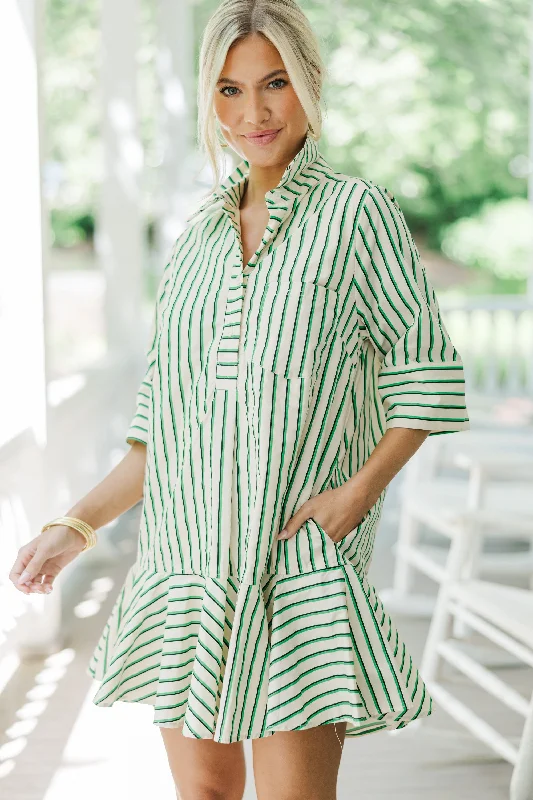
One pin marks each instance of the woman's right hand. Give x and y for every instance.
(46, 555)
(40, 561)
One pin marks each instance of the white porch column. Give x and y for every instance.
(119, 230)
(22, 342)
(530, 176)
(175, 68)
(24, 237)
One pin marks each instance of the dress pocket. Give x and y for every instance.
(310, 549)
(289, 324)
(345, 544)
(328, 538)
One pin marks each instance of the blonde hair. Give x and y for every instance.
(286, 26)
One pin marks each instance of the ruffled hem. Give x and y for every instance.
(230, 661)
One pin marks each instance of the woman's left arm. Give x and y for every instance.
(420, 381)
(339, 511)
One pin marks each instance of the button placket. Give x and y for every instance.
(228, 353)
(227, 356)
(281, 202)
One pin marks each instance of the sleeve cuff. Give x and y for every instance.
(138, 428)
(425, 396)
(138, 431)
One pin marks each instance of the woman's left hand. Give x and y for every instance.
(337, 511)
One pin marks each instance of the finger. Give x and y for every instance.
(48, 583)
(293, 525)
(32, 584)
(31, 588)
(27, 588)
(36, 584)
(33, 567)
(22, 579)
(19, 566)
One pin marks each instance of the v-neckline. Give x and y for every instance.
(253, 260)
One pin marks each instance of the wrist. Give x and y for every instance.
(66, 531)
(76, 536)
(363, 489)
(74, 529)
(85, 516)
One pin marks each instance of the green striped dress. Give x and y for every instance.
(266, 384)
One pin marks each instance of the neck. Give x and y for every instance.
(260, 180)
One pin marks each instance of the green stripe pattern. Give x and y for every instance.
(266, 384)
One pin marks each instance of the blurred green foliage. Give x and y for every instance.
(499, 240)
(427, 97)
(70, 227)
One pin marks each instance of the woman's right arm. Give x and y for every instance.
(49, 552)
(121, 489)
(46, 555)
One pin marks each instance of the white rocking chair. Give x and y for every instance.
(504, 615)
(491, 481)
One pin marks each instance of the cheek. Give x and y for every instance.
(289, 105)
(221, 109)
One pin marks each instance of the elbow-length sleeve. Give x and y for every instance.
(421, 379)
(138, 428)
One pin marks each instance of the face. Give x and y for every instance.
(254, 94)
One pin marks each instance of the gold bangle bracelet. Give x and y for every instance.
(79, 525)
(83, 527)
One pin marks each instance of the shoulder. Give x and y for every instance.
(192, 224)
(365, 194)
(203, 210)
(378, 216)
(375, 197)
(381, 197)
(376, 207)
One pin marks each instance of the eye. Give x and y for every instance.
(281, 80)
(222, 91)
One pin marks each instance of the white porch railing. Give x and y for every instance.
(494, 334)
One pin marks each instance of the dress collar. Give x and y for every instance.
(292, 184)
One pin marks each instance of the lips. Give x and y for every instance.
(263, 137)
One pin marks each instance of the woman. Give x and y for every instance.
(297, 360)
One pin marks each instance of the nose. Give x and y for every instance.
(255, 111)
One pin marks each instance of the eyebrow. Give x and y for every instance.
(262, 80)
